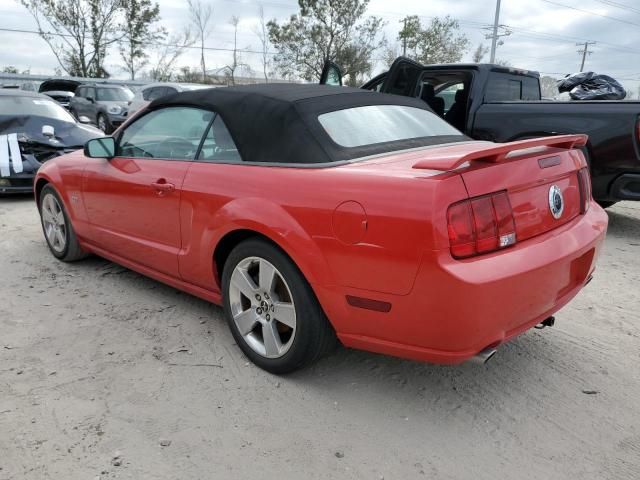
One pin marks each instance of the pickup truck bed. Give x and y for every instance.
(612, 126)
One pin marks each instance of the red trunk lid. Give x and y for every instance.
(528, 170)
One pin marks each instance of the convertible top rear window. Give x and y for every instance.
(373, 124)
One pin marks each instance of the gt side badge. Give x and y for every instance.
(556, 201)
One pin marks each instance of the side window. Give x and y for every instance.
(530, 89)
(218, 145)
(90, 93)
(448, 94)
(169, 91)
(504, 87)
(79, 92)
(147, 92)
(156, 92)
(171, 133)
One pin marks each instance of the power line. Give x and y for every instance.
(621, 6)
(592, 13)
(156, 44)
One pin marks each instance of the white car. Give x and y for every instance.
(150, 92)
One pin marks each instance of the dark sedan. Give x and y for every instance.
(34, 129)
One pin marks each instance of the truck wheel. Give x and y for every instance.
(272, 311)
(57, 228)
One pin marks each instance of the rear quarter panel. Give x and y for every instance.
(295, 208)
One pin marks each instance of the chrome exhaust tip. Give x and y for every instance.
(484, 356)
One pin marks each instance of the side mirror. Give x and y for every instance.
(84, 119)
(90, 100)
(100, 148)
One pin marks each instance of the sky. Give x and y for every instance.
(543, 35)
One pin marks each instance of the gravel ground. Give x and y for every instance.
(107, 374)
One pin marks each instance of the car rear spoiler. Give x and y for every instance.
(496, 153)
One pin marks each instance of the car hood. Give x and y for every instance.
(58, 85)
(66, 134)
(59, 93)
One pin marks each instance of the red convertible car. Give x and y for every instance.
(312, 212)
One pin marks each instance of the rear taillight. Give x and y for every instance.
(481, 225)
(584, 180)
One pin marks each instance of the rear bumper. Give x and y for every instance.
(458, 308)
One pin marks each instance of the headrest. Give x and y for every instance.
(461, 95)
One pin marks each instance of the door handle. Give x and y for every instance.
(162, 187)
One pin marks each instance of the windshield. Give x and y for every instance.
(356, 127)
(113, 94)
(30, 106)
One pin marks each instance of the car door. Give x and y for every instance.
(89, 104)
(331, 74)
(402, 78)
(133, 200)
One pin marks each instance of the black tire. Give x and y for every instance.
(605, 204)
(314, 336)
(108, 128)
(71, 251)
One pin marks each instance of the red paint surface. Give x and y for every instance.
(443, 310)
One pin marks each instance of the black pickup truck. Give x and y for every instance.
(500, 104)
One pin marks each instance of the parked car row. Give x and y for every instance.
(105, 105)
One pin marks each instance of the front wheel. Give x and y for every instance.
(57, 227)
(271, 310)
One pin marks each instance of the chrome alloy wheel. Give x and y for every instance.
(55, 227)
(262, 307)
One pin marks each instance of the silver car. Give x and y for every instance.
(104, 105)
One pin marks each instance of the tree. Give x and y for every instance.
(201, 16)
(77, 31)
(479, 53)
(263, 35)
(169, 55)
(10, 69)
(236, 63)
(439, 42)
(326, 30)
(139, 31)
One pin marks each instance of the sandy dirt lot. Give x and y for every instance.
(107, 374)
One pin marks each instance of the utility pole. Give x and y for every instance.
(497, 31)
(494, 37)
(584, 52)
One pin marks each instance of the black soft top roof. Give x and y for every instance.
(278, 122)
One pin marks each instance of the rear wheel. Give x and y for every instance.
(57, 228)
(272, 311)
(103, 123)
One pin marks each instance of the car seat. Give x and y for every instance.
(458, 112)
(428, 95)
